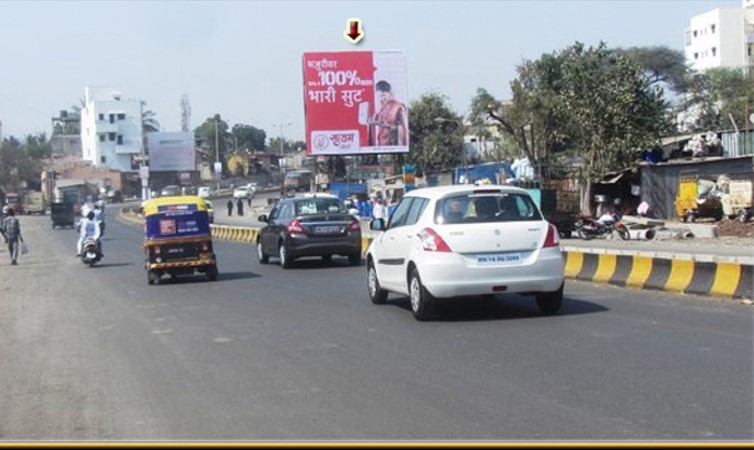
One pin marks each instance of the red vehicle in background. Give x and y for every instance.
(13, 200)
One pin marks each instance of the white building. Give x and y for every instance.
(111, 128)
(722, 37)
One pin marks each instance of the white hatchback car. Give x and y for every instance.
(465, 240)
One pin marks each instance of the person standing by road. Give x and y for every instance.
(239, 207)
(11, 231)
(378, 209)
(230, 208)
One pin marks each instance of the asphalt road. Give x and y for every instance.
(302, 355)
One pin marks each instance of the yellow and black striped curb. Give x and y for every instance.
(687, 276)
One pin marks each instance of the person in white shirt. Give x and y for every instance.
(89, 228)
(378, 209)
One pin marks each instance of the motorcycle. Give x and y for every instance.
(589, 228)
(90, 254)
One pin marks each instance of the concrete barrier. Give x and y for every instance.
(686, 276)
(680, 273)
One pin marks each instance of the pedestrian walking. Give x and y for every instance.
(230, 208)
(239, 207)
(11, 231)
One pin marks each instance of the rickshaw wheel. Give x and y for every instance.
(212, 273)
(152, 278)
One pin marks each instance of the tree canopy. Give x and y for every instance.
(436, 140)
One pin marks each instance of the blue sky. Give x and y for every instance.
(243, 59)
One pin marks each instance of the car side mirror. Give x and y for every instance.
(263, 218)
(377, 225)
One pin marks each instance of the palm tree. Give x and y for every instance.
(148, 122)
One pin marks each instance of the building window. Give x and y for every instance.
(696, 55)
(101, 116)
(120, 139)
(121, 116)
(111, 136)
(102, 159)
(714, 51)
(712, 27)
(112, 118)
(695, 33)
(749, 50)
(102, 137)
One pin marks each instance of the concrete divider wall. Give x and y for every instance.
(720, 279)
(701, 276)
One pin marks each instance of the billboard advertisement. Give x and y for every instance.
(355, 102)
(171, 151)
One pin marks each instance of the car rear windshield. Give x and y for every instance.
(486, 207)
(319, 206)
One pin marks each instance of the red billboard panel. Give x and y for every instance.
(355, 102)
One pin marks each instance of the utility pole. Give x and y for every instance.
(217, 157)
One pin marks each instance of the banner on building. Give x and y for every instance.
(355, 102)
(171, 151)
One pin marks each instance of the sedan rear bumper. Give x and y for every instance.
(324, 246)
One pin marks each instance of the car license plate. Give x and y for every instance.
(499, 259)
(327, 229)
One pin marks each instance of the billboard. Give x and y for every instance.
(171, 151)
(355, 102)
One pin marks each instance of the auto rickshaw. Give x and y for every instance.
(178, 240)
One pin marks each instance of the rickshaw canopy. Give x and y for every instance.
(176, 217)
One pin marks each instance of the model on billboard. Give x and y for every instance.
(389, 125)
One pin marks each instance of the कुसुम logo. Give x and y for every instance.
(321, 142)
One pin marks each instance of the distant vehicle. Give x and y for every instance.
(34, 203)
(298, 180)
(465, 240)
(318, 225)
(243, 192)
(170, 191)
(62, 214)
(205, 192)
(13, 200)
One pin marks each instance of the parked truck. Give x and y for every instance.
(34, 203)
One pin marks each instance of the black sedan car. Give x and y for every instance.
(313, 225)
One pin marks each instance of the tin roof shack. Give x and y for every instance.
(660, 182)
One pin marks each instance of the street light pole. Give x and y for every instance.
(217, 157)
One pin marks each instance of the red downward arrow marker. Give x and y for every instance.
(353, 33)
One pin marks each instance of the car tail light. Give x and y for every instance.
(552, 239)
(204, 247)
(295, 227)
(432, 242)
(157, 251)
(355, 225)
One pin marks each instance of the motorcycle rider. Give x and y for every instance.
(89, 229)
(99, 215)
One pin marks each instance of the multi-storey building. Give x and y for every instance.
(723, 37)
(111, 128)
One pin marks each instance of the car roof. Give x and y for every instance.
(442, 191)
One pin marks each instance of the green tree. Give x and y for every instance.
(37, 146)
(206, 135)
(721, 94)
(436, 140)
(249, 137)
(661, 64)
(149, 122)
(616, 112)
(16, 166)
